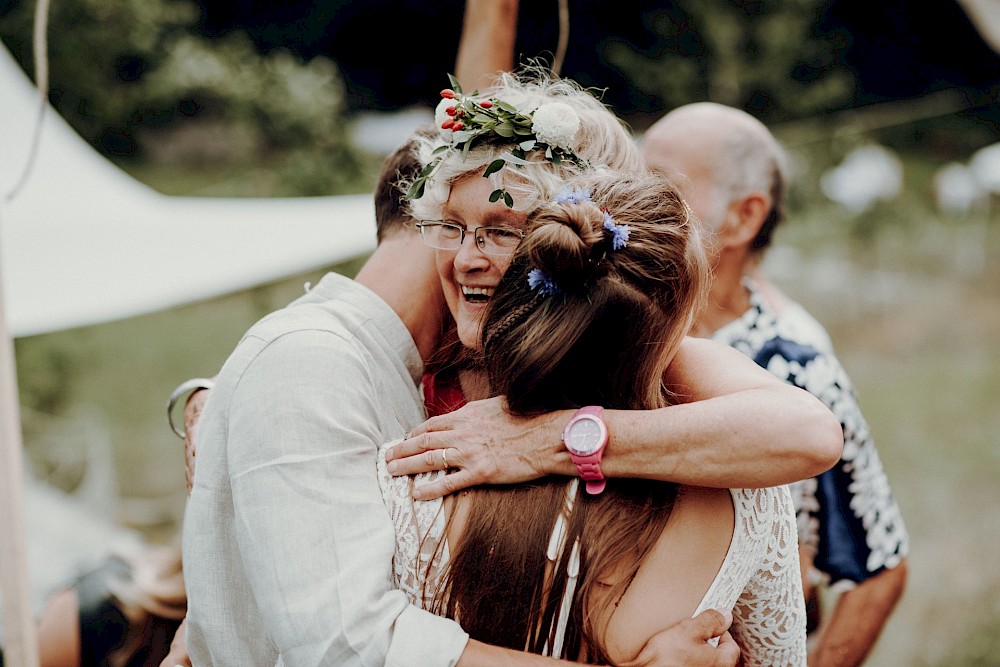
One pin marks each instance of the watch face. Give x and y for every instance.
(585, 436)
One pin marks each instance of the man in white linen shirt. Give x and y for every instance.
(287, 544)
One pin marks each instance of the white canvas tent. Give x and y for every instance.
(83, 242)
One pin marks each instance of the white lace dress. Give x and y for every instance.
(759, 578)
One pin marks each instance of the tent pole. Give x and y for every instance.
(20, 645)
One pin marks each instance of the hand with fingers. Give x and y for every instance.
(687, 643)
(196, 390)
(482, 443)
(192, 413)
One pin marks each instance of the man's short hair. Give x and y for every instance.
(392, 210)
(755, 162)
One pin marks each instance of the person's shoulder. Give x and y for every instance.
(314, 331)
(764, 531)
(695, 348)
(335, 305)
(805, 328)
(791, 320)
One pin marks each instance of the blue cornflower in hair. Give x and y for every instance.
(619, 233)
(537, 280)
(571, 195)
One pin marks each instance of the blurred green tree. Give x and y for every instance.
(138, 80)
(764, 56)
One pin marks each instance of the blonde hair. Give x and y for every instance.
(602, 142)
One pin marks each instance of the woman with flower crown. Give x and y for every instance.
(576, 287)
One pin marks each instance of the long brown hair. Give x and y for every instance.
(600, 334)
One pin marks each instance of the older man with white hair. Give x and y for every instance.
(733, 173)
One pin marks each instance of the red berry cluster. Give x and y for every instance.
(454, 124)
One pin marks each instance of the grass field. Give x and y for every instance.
(916, 328)
(913, 309)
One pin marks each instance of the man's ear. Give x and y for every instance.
(744, 220)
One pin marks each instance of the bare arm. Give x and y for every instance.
(683, 644)
(739, 427)
(59, 630)
(858, 619)
(486, 46)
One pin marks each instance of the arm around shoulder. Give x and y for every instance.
(799, 423)
(736, 425)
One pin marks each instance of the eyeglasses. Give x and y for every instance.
(450, 236)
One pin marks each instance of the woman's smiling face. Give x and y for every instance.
(468, 275)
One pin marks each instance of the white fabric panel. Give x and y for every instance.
(83, 242)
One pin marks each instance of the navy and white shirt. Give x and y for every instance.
(846, 516)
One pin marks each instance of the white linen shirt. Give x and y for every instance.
(287, 544)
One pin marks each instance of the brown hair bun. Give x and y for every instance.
(562, 242)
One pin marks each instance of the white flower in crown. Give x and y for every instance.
(555, 124)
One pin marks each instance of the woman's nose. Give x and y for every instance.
(470, 257)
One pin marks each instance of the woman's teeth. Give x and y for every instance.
(477, 293)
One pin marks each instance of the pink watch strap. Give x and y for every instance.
(590, 473)
(589, 467)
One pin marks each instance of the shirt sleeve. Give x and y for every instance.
(769, 619)
(860, 529)
(312, 530)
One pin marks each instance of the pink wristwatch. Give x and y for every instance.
(585, 437)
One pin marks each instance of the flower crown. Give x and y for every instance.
(465, 121)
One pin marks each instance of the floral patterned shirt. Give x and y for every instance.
(846, 516)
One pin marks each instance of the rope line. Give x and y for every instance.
(41, 53)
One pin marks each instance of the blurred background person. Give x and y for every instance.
(732, 172)
(124, 612)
